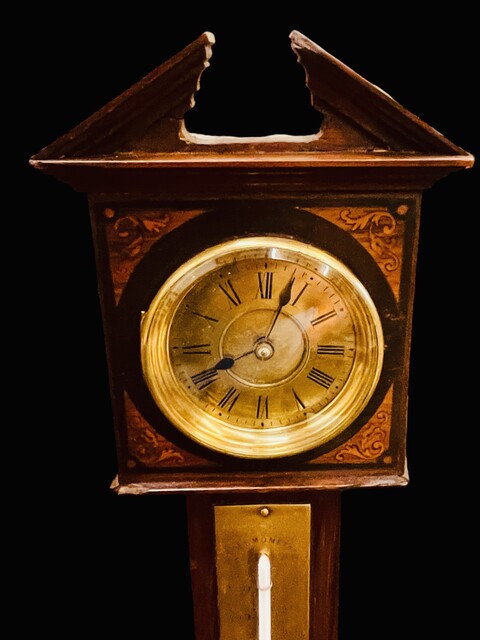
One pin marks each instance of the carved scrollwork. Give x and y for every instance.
(148, 447)
(131, 234)
(133, 230)
(381, 227)
(371, 443)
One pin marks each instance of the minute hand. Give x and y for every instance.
(284, 298)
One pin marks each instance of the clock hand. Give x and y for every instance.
(284, 298)
(224, 363)
(247, 353)
(227, 362)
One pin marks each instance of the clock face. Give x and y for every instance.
(261, 347)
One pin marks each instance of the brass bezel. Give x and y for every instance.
(243, 442)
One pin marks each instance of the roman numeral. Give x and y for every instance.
(265, 285)
(229, 399)
(299, 294)
(205, 378)
(262, 407)
(322, 318)
(320, 377)
(230, 292)
(298, 402)
(196, 349)
(330, 350)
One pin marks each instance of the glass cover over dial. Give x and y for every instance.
(262, 347)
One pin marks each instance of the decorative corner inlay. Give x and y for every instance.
(381, 227)
(132, 230)
(370, 443)
(131, 234)
(148, 446)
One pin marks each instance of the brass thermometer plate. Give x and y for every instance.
(242, 534)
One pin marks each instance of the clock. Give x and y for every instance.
(257, 296)
(257, 333)
(257, 293)
(262, 347)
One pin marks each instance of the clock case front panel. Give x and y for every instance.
(140, 242)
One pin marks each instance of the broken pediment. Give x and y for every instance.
(360, 123)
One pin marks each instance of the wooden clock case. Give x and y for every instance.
(361, 179)
(158, 194)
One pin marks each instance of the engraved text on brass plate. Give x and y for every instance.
(242, 534)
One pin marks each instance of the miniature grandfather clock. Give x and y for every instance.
(257, 298)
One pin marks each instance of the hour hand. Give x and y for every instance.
(227, 362)
(224, 363)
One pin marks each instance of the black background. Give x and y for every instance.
(119, 564)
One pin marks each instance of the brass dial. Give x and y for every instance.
(262, 347)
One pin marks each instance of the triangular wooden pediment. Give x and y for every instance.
(353, 106)
(148, 113)
(147, 120)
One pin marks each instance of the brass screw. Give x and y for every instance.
(264, 511)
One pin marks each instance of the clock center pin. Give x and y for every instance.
(264, 349)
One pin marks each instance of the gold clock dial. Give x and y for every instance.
(262, 347)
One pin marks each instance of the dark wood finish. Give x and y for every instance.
(361, 175)
(155, 178)
(135, 157)
(231, 482)
(275, 175)
(325, 564)
(157, 102)
(325, 551)
(380, 228)
(148, 118)
(201, 540)
(357, 111)
(138, 142)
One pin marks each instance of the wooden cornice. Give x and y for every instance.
(157, 101)
(139, 138)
